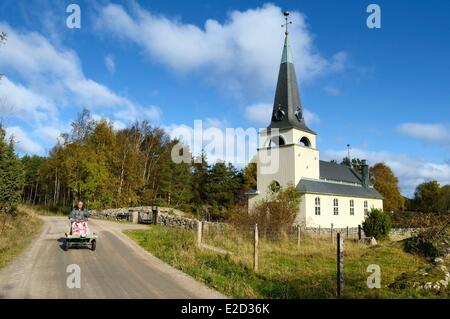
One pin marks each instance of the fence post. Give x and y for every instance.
(319, 230)
(340, 265)
(199, 233)
(359, 232)
(298, 235)
(255, 249)
(347, 232)
(331, 231)
(155, 216)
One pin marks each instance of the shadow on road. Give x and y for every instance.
(61, 241)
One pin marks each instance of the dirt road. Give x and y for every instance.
(117, 269)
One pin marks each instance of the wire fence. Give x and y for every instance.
(306, 261)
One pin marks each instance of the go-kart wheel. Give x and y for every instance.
(93, 245)
(66, 244)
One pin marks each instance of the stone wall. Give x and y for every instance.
(167, 218)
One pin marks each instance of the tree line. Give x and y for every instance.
(130, 167)
(109, 168)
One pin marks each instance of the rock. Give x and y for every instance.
(369, 241)
(439, 260)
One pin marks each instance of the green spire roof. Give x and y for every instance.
(287, 54)
(287, 107)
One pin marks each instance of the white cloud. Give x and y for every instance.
(153, 112)
(410, 171)
(49, 79)
(110, 64)
(436, 133)
(23, 142)
(242, 51)
(260, 114)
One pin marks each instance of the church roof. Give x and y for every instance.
(287, 108)
(334, 188)
(336, 172)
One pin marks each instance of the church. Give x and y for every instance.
(330, 193)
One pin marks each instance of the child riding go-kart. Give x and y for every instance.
(80, 234)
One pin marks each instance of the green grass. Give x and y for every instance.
(18, 231)
(285, 271)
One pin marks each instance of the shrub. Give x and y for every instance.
(275, 213)
(378, 224)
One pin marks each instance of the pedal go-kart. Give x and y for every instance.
(80, 235)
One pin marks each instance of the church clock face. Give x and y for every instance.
(279, 115)
(299, 115)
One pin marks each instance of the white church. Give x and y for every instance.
(287, 153)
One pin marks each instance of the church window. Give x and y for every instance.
(366, 208)
(336, 206)
(352, 207)
(304, 141)
(277, 141)
(317, 208)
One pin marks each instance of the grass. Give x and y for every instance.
(285, 271)
(18, 232)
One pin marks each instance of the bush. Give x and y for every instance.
(275, 213)
(378, 224)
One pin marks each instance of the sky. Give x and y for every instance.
(385, 91)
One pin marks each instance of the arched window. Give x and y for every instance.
(276, 141)
(317, 207)
(352, 207)
(366, 208)
(274, 186)
(336, 206)
(305, 141)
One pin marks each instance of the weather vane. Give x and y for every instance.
(286, 15)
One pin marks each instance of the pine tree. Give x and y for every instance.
(11, 175)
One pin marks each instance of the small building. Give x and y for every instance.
(330, 193)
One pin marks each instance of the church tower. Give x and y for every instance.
(287, 150)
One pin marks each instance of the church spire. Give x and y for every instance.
(287, 108)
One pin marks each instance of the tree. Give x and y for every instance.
(3, 37)
(175, 185)
(378, 224)
(11, 175)
(426, 197)
(444, 200)
(387, 184)
(250, 176)
(356, 164)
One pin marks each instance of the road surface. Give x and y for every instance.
(119, 268)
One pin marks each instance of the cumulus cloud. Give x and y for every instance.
(23, 142)
(243, 50)
(260, 114)
(49, 79)
(410, 171)
(435, 133)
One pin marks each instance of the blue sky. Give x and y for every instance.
(384, 91)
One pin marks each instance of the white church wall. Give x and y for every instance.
(343, 219)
